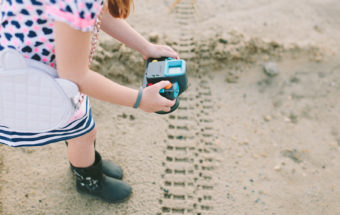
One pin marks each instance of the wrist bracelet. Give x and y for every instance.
(139, 98)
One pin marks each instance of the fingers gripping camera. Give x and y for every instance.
(170, 69)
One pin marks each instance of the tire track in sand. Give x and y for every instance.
(190, 151)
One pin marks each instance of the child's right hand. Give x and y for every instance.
(152, 101)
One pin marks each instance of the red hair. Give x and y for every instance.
(119, 8)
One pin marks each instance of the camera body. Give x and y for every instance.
(165, 68)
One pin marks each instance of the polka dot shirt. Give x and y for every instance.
(27, 25)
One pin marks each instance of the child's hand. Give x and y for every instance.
(152, 101)
(157, 51)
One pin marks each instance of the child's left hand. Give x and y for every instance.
(157, 51)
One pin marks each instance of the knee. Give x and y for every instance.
(92, 134)
(86, 139)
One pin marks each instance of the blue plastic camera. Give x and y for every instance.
(169, 69)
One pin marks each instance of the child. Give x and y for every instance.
(57, 33)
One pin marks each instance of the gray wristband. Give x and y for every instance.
(139, 98)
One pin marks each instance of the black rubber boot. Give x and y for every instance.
(109, 168)
(92, 181)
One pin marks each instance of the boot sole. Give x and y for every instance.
(99, 198)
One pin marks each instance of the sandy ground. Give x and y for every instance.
(241, 142)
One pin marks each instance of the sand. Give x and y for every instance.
(241, 142)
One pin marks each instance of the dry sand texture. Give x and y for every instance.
(242, 141)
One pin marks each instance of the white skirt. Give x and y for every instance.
(79, 124)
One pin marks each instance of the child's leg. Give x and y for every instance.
(87, 165)
(81, 153)
(81, 149)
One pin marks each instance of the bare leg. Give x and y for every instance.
(80, 150)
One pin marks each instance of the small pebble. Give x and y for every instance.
(267, 118)
(223, 40)
(277, 168)
(270, 69)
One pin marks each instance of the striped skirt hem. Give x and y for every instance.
(74, 129)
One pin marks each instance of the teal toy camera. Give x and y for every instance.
(173, 70)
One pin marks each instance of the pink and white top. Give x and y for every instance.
(27, 25)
